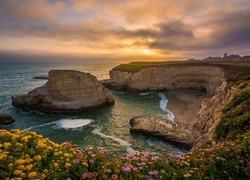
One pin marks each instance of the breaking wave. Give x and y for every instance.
(163, 106)
(67, 124)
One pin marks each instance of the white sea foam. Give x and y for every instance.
(118, 140)
(72, 124)
(145, 93)
(163, 106)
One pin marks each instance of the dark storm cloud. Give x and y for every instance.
(231, 29)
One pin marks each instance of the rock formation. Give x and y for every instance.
(210, 77)
(6, 119)
(65, 91)
(197, 135)
(211, 113)
(198, 77)
(166, 129)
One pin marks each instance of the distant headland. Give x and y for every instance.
(225, 57)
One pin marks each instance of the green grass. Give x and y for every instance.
(137, 66)
(234, 71)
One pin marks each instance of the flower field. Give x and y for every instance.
(27, 155)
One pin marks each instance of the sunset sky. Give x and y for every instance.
(123, 30)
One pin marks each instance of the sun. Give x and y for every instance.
(147, 51)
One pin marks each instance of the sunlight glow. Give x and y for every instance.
(147, 51)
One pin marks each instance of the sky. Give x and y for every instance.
(123, 30)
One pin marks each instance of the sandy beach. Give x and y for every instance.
(184, 104)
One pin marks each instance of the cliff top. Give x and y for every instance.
(233, 69)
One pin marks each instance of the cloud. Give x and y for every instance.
(164, 26)
(231, 29)
(27, 10)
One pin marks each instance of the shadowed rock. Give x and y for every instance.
(6, 119)
(114, 85)
(166, 129)
(66, 91)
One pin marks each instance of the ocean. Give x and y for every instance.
(106, 127)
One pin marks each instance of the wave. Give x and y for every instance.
(67, 124)
(163, 106)
(118, 140)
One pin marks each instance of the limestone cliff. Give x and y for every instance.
(201, 77)
(214, 78)
(211, 113)
(65, 91)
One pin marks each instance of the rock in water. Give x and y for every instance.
(6, 119)
(65, 91)
(166, 129)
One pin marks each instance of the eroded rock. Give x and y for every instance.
(200, 77)
(166, 129)
(65, 91)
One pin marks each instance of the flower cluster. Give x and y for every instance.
(26, 155)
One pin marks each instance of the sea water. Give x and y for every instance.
(105, 127)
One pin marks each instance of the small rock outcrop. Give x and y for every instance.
(6, 119)
(166, 129)
(65, 91)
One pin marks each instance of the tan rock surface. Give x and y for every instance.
(200, 77)
(166, 129)
(65, 91)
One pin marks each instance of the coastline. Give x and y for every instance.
(184, 104)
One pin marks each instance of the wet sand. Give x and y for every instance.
(185, 104)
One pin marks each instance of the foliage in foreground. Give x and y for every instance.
(26, 155)
(236, 116)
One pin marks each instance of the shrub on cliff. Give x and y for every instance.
(236, 117)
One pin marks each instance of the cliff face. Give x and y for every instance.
(211, 113)
(165, 77)
(209, 78)
(65, 91)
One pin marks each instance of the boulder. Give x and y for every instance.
(65, 91)
(168, 130)
(6, 119)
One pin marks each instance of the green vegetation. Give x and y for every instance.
(234, 71)
(236, 117)
(26, 155)
(136, 66)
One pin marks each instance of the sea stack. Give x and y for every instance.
(66, 91)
